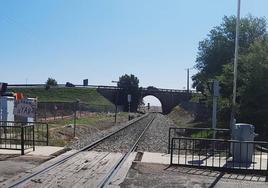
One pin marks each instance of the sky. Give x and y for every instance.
(100, 40)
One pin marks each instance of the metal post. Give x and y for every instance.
(47, 133)
(171, 155)
(129, 111)
(116, 100)
(22, 139)
(75, 108)
(169, 139)
(216, 94)
(129, 101)
(45, 111)
(33, 139)
(214, 115)
(235, 65)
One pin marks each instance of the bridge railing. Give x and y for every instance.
(169, 90)
(12, 86)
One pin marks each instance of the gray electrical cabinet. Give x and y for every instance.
(242, 152)
(6, 108)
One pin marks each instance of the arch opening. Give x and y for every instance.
(151, 103)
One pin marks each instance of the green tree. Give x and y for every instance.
(253, 90)
(217, 49)
(129, 84)
(51, 82)
(215, 61)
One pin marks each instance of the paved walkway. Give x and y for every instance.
(260, 161)
(39, 151)
(154, 167)
(159, 175)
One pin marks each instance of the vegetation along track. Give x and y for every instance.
(123, 140)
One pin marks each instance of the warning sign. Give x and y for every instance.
(25, 107)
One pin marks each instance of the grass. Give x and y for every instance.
(181, 117)
(85, 95)
(59, 135)
(202, 134)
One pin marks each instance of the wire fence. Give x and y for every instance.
(61, 110)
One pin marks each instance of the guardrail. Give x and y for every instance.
(220, 154)
(175, 132)
(22, 136)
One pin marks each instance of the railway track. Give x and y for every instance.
(134, 131)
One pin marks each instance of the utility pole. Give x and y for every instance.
(188, 79)
(232, 121)
(188, 91)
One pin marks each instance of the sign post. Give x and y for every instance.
(129, 101)
(76, 104)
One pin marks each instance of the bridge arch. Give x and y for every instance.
(155, 103)
(169, 98)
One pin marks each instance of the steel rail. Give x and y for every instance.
(86, 148)
(107, 179)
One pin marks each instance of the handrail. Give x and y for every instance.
(220, 140)
(198, 128)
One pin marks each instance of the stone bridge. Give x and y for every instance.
(169, 98)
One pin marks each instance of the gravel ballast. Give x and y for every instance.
(155, 138)
(124, 140)
(96, 135)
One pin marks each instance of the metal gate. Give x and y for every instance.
(22, 136)
(219, 154)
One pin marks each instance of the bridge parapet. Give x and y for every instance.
(96, 87)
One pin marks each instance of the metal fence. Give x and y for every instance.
(22, 136)
(61, 110)
(220, 154)
(175, 132)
